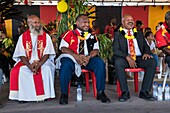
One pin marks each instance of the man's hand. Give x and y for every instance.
(82, 59)
(131, 62)
(85, 60)
(146, 56)
(33, 67)
(37, 66)
(79, 59)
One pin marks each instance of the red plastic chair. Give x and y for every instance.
(86, 72)
(135, 71)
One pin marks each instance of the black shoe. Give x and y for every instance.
(102, 96)
(145, 95)
(22, 102)
(1, 105)
(124, 96)
(64, 99)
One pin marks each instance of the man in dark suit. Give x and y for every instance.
(131, 50)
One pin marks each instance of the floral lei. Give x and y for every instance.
(121, 29)
(83, 38)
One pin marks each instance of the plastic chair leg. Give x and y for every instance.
(69, 85)
(119, 92)
(136, 81)
(87, 82)
(94, 84)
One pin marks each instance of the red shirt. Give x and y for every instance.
(110, 30)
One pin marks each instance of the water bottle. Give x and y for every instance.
(155, 90)
(79, 93)
(160, 95)
(166, 96)
(4, 77)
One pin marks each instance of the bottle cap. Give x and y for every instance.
(79, 86)
(160, 85)
(166, 85)
(154, 83)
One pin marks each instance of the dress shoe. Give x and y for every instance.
(102, 96)
(145, 95)
(64, 99)
(1, 105)
(124, 96)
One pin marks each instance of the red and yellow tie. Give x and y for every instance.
(131, 47)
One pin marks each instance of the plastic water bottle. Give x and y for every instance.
(79, 93)
(3, 78)
(155, 90)
(160, 95)
(167, 96)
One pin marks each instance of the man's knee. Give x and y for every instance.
(119, 62)
(100, 62)
(66, 63)
(152, 62)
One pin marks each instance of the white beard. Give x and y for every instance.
(36, 32)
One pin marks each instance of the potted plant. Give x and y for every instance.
(105, 45)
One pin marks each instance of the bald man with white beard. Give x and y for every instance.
(32, 78)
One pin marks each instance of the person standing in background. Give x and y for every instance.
(95, 29)
(139, 25)
(109, 28)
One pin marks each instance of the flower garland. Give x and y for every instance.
(83, 38)
(121, 29)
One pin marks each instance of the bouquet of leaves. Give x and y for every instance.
(7, 47)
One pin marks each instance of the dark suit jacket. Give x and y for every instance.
(120, 46)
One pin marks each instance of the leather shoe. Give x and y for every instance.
(1, 105)
(102, 96)
(146, 96)
(124, 96)
(64, 99)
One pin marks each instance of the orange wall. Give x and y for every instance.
(156, 14)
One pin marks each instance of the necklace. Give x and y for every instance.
(121, 29)
(83, 38)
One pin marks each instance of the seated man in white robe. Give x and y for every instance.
(32, 78)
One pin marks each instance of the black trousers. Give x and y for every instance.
(149, 66)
